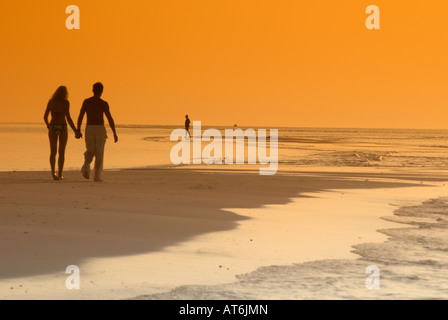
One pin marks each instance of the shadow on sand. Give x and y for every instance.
(46, 226)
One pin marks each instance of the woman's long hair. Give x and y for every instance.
(60, 94)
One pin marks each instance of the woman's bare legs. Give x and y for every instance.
(53, 150)
(63, 138)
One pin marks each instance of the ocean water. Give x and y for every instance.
(25, 147)
(364, 147)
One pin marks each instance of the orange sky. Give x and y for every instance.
(251, 62)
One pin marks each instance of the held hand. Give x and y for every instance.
(78, 134)
(115, 138)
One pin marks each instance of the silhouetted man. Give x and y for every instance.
(95, 135)
(187, 126)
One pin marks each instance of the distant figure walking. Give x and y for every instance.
(95, 134)
(187, 126)
(59, 108)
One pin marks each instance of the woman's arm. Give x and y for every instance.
(47, 113)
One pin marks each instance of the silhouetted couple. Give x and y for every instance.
(95, 133)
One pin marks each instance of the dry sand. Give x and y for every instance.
(149, 231)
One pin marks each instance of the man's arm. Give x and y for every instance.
(70, 122)
(111, 123)
(81, 115)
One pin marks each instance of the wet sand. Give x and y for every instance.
(149, 231)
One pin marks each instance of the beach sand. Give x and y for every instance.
(148, 231)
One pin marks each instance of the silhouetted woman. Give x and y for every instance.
(58, 107)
